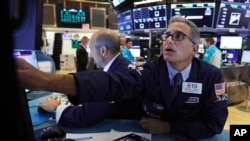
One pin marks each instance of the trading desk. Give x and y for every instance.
(236, 89)
(128, 125)
(41, 121)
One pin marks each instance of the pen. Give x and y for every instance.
(75, 139)
(83, 138)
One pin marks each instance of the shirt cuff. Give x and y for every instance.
(59, 110)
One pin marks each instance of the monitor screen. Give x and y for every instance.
(202, 14)
(231, 42)
(136, 52)
(231, 55)
(245, 58)
(116, 3)
(233, 15)
(72, 16)
(66, 36)
(150, 17)
(124, 20)
(201, 48)
(28, 55)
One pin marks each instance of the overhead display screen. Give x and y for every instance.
(150, 17)
(202, 14)
(72, 16)
(234, 14)
(124, 20)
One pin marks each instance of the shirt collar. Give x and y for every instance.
(172, 72)
(106, 67)
(84, 46)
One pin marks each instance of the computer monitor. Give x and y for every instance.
(233, 15)
(26, 22)
(136, 51)
(231, 56)
(202, 14)
(67, 36)
(231, 42)
(245, 58)
(150, 17)
(17, 115)
(28, 55)
(116, 3)
(201, 48)
(73, 16)
(124, 20)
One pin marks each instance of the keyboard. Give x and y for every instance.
(64, 101)
(228, 64)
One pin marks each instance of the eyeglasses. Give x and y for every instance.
(178, 36)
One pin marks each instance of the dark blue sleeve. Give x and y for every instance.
(85, 115)
(99, 86)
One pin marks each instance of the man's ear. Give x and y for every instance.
(195, 48)
(104, 50)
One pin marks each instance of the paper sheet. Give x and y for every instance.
(117, 134)
(104, 136)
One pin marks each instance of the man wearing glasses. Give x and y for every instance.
(181, 95)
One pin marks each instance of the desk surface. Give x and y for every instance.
(125, 126)
(42, 121)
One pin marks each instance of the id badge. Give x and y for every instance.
(190, 87)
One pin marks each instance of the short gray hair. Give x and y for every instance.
(108, 38)
(195, 34)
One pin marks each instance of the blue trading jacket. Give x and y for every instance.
(127, 54)
(208, 56)
(191, 116)
(90, 113)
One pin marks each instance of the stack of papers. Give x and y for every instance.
(104, 136)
